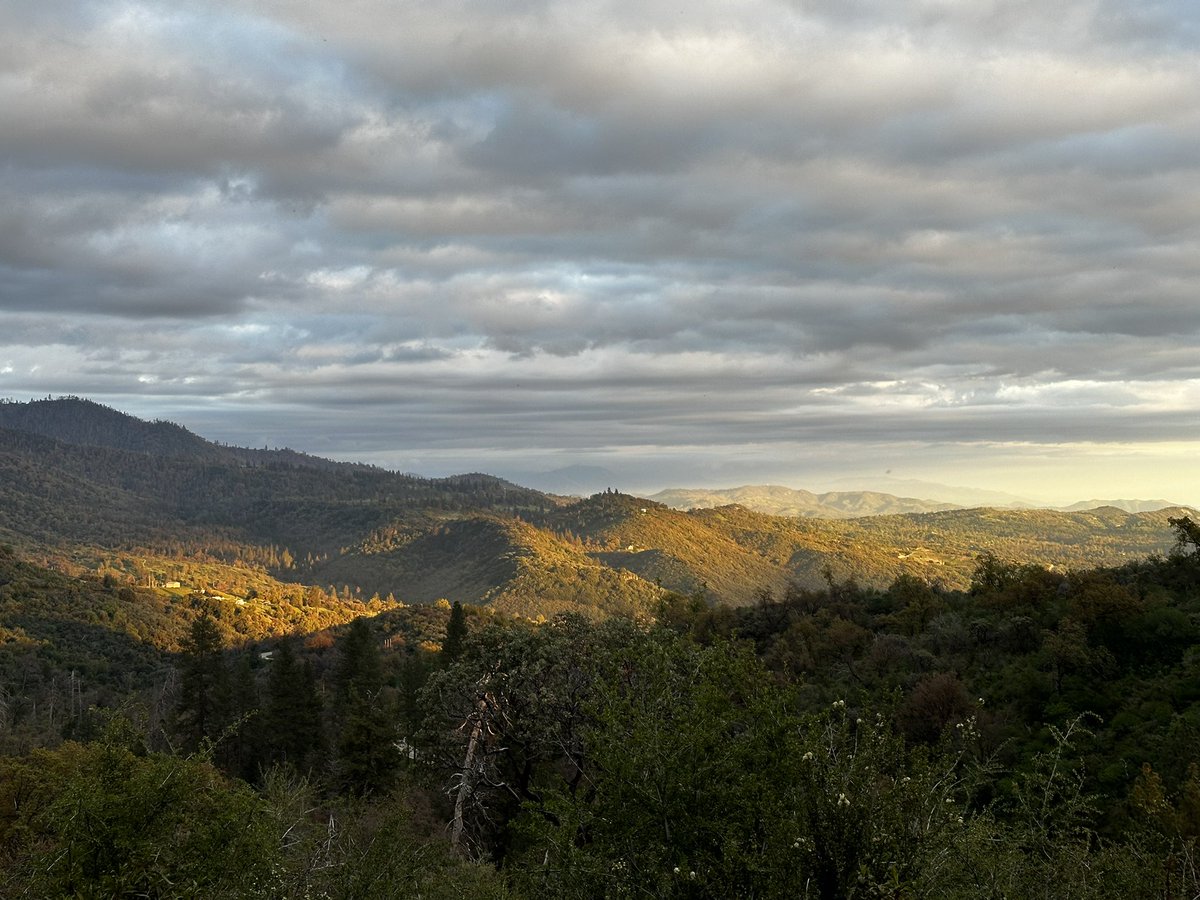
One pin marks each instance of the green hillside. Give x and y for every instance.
(88, 486)
(942, 546)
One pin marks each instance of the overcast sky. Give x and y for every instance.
(702, 243)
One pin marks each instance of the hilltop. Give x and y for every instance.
(88, 487)
(777, 500)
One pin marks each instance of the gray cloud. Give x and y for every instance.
(633, 231)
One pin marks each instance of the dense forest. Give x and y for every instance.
(1037, 734)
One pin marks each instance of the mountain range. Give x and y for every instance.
(776, 500)
(88, 488)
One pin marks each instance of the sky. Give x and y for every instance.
(694, 244)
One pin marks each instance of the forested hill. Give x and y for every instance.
(74, 420)
(87, 486)
(248, 641)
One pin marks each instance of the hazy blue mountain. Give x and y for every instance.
(777, 500)
(934, 491)
(1133, 506)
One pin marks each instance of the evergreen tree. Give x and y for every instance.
(414, 672)
(367, 757)
(359, 669)
(244, 754)
(456, 633)
(204, 697)
(366, 744)
(293, 715)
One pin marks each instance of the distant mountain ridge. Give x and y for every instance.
(85, 423)
(85, 483)
(777, 500)
(965, 497)
(75, 420)
(1133, 506)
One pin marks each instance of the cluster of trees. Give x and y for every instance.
(248, 719)
(113, 818)
(581, 760)
(620, 760)
(69, 643)
(1035, 735)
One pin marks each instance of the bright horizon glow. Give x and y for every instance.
(696, 246)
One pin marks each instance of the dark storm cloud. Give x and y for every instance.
(598, 225)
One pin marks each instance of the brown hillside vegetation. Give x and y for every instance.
(273, 518)
(776, 500)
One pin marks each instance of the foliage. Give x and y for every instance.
(366, 752)
(106, 820)
(809, 805)
(456, 633)
(505, 715)
(205, 699)
(295, 734)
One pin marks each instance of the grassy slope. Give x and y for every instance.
(514, 566)
(459, 538)
(944, 545)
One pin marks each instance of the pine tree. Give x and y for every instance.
(366, 745)
(204, 696)
(293, 715)
(456, 633)
(244, 755)
(367, 757)
(359, 668)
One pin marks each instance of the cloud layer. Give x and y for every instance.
(469, 231)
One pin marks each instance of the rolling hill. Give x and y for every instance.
(776, 500)
(89, 487)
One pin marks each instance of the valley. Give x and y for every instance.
(97, 490)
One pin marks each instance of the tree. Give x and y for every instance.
(204, 690)
(293, 713)
(367, 758)
(936, 702)
(508, 714)
(915, 601)
(703, 781)
(109, 820)
(242, 754)
(359, 668)
(456, 633)
(366, 725)
(1187, 536)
